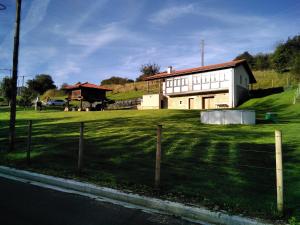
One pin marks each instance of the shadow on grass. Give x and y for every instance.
(210, 165)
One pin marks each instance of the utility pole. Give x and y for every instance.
(13, 104)
(202, 52)
(23, 81)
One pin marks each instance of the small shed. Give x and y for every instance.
(86, 92)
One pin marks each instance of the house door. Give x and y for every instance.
(208, 102)
(191, 103)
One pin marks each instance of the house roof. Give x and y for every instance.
(225, 65)
(86, 85)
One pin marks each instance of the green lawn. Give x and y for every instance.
(126, 95)
(226, 167)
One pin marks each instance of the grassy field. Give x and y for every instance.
(221, 167)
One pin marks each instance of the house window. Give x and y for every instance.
(177, 82)
(169, 83)
(205, 79)
(180, 102)
(214, 77)
(184, 81)
(196, 79)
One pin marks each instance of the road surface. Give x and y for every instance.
(26, 204)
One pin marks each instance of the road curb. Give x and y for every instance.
(173, 208)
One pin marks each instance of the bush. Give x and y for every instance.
(116, 80)
(293, 221)
(26, 97)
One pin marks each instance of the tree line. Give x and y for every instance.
(286, 57)
(35, 87)
(146, 70)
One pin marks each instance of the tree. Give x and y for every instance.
(148, 70)
(116, 80)
(296, 65)
(285, 54)
(6, 89)
(247, 56)
(281, 58)
(41, 83)
(26, 97)
(261, 61)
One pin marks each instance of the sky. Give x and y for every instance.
(92, 40)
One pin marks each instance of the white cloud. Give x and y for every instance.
(168, 14)
(34, 16)
(92, 41)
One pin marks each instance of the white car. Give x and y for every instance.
(57, 102)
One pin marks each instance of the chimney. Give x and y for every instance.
(170, 69)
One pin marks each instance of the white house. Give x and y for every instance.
(223, 85)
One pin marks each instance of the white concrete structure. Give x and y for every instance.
(152, 101)
(228, 117)
(216, 86)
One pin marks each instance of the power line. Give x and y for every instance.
(4, 69)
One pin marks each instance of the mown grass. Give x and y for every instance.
(132, 94)
(221, 167)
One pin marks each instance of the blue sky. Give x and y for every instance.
(88, 40)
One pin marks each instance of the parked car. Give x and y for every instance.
(56, 102)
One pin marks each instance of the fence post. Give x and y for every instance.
(158, 157)
(279, 172)
(29, 142)
(80, 152)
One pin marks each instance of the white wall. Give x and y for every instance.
(241, 84)
(198, 82)
(151, 101)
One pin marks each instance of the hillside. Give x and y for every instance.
(265, 79)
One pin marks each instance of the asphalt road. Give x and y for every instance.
(26, 204)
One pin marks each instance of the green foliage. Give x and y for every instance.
(148, 70)
(6, 88)
(293, 221)
(296, 65)
(26, 97)
(261, 62)
(41, 83)
(284, 58)
(257, 62)
(116, 80)
(285, 55)
(281, 58)
(247, 56)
